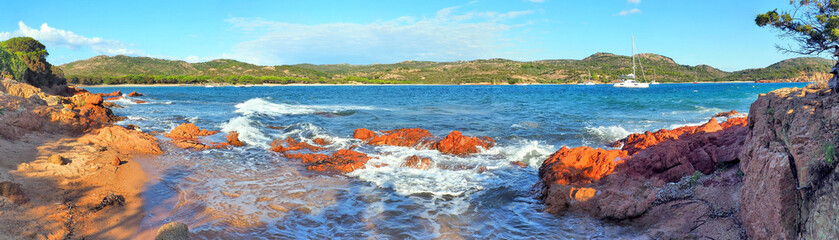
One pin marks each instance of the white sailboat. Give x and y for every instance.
(654, 78)
(628, 81)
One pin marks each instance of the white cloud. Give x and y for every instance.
(446, 36)
(636, 2)
(628, 12)
(53, 37)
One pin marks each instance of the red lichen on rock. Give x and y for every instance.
(417, 162)
(457, 144)
(233, 139)
(580, 165)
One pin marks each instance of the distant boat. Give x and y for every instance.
(654, 82)
(628, 81)
(588, 82)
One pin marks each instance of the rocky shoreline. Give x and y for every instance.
(770, 176)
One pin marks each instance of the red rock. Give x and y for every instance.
(520, 164)
(363, 134)
(113, 98)
(636, 142)
(292, 145)
(93, 99)
(116, 161)
(455, 143)
(276, 127)
(672, 159)
(341, 161)
(405, 137)
(140, 101)
(711, 126)
(97, 113)
(233, 139)
(581, 165)
(417, 162)
(113, 94)
(732, 122)
(727, 114)
(188, 131)
(195, 144)
(123, 140)
(135, 94)
(320, 141)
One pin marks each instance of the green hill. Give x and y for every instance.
(600, 67)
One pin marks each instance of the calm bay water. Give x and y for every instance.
(251, 192)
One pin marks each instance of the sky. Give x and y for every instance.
(720, 33)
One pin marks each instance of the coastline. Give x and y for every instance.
(325, 84)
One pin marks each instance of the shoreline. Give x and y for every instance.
(332, 84)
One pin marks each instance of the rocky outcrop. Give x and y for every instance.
(135, 94)
(707, 147)
(188, 131)
(321, 141)
(457, 144)
(631, 184)
(342, 160)
(123, 140)
(405, 137)
(112, 94)
(789, 166)
(579, 166)
(363, 134)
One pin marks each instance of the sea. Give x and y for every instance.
(253, 193)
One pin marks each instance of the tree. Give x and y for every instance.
(814, 24)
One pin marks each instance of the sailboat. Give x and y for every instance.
(628, 81)
(588, 82)
(653, 82)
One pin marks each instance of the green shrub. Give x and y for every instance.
(829, 153)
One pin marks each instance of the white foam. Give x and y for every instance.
(608, 134)
(449, 174)
(248, 133)
(307, 132)
(262, 106)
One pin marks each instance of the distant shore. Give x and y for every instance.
(334, 84)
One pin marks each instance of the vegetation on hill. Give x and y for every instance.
(600, 67)
(24, 59)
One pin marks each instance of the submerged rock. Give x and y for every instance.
(340, 161)
(292, 145)
(417, 162)
(173, 231)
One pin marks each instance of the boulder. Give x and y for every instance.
(457, 144)
(56, 159)
(321, 141)
(578, 166)
(233, 139)
(13, 192)
(135, 94)
(363, 134)
(112, 94)
(404, 137)
(188, 131)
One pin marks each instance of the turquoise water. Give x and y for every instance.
(253, 193)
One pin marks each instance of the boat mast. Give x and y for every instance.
(633, 56)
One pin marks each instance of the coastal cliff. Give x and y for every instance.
(771, 176)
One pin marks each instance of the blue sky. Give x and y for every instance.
(720, 33)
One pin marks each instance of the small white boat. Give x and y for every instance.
(628, 81)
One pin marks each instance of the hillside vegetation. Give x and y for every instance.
(600, 68)
(24, 59)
